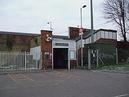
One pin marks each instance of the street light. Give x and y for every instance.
(92, 25)
(81, 14)
(92, 32)
(50, 24)
(81, 33)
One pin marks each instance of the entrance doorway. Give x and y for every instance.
(60, 58)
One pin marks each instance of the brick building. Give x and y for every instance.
(123, 52)
(59, 51)
(16, 41)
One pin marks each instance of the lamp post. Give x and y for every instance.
(92, 25)
(81, 34)
(92, 32)
(50, 25)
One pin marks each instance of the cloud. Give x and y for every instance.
(33, 15)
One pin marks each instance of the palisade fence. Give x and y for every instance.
(18, 61)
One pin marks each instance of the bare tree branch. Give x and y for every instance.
(117, 11)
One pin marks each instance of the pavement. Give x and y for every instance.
(64, 83)
(112, 71)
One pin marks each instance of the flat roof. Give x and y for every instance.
(17, 33)
(95, 31)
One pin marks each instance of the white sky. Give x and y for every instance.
(33, 15)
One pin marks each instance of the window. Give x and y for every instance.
(102, 34)
(98, 35)
(106, 35)
(114, 36)
(110, 35)
(86, 41)
(95, 37)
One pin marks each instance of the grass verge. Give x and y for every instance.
(119, 67)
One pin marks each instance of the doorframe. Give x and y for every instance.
(68, 59)
(68, 67)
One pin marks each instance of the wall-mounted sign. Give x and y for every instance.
(72, 55)
(61, 44)
(48, 37)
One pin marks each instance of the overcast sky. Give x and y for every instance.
(31, 16)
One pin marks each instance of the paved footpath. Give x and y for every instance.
(65, 83)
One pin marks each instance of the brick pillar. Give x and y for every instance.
(74, 32)
(46, 49)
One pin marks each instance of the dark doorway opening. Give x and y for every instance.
(60, 58)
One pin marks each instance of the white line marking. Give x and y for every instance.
(124, 95)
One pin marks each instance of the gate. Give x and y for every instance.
(10, 61)
(93, 58)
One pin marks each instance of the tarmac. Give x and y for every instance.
(64, 83)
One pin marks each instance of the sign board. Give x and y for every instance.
(80, 30)
(61, 44)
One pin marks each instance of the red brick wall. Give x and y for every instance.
(46, 46)
(73, 63)
(74, 32)
(19, 42)
(123, 51)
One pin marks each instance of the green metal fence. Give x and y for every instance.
(100, 54)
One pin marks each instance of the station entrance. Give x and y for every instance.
(60, 58)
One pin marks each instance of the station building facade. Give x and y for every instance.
(59, 52)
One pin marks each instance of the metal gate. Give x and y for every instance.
(93, 58)
(17, 61)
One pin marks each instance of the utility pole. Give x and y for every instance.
(81, 34)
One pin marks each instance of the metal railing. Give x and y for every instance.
(17, 61)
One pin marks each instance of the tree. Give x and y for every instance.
(117, 11)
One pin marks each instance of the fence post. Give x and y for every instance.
(89, 59)
(36, 62)
(68, 59)
(116, 56)
(40, 65)
(97, 55)
(25, 60)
